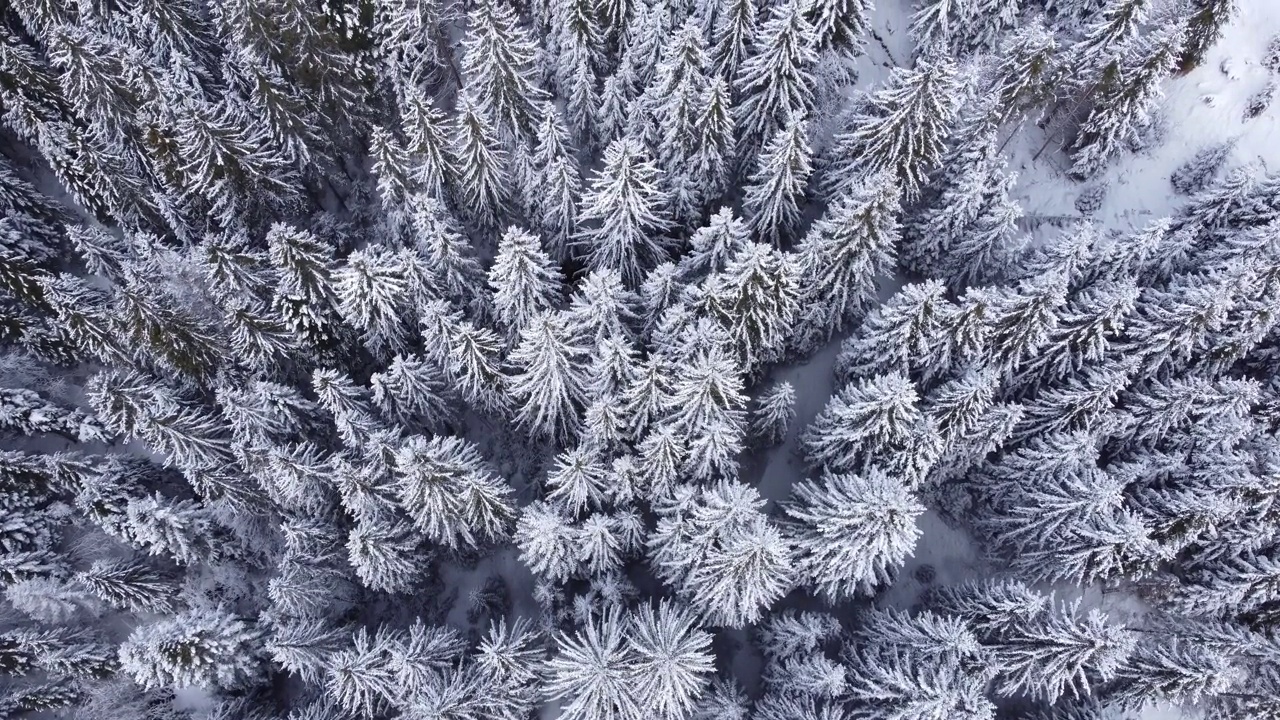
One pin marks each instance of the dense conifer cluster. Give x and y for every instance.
(417, 359)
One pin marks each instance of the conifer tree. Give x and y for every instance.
(673, 660)
(1061, 652)
(844, 252)
(452, 497)
(775, 81)
(840, 25)
(851, 532)
(1027, 71)
(720, 553)
(499, 66)
(384, 555)
(1204, 28)
(907, 334)
(373, 291)
(774, 411)
(1018, 320)
(524, 280)
(129, 585)
(679, 83)
(424, 131)
(1173, 671)
(305, 296)
(776, 189)
(1124, 100)
(909, 685)
(624, 214)
(549, 383)
(902, 127)
(197, 648)
(479, 165)
(1105, 38)
(863, 420)
(733, 33)
(964, 229)
(591, 671)
(756, 298)
(548, 542)
(1197, 173)
(1091, 320)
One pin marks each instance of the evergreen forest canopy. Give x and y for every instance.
(409, 359)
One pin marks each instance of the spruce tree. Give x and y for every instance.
(498, 65)
(844, 253)
(525, 282)
(479, 168)
(776, 190)
(851, 532)
(902, 127)
(1204, 28)
(1124, 100)
(624, 214)
(549, 382)
(775, 82)
(197, 648)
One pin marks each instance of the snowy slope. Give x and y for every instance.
(1202, 108)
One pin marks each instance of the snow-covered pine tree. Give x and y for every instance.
(907, 334)
(673, 100)
(479, 164)
(775, 82)
(776, 189)
(965, 225)
(862, 421)
(1090, 322)
(524, 280)
(579, 38)
(1106, 37)
(756, 298)
(498, 63)
(840, 26)
(625, 214)
(773, 413)
(1123, 100)
(842, 256)
(548, 542)
(851, 532)
(716, 547)
(1197, 173)
(1172, 671)
(424, 128)
(672, 658)
(732, 36)
(549, 382)
(911, 685)
(198, 648)
(937, 23)
(902, 128)
(1207, 20)
(1025, 75)
(1059, 652)
(591, 671)
(987, 23)
(453, 498)
(1019, 319)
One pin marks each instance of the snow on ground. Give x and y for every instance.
(1202, 108)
